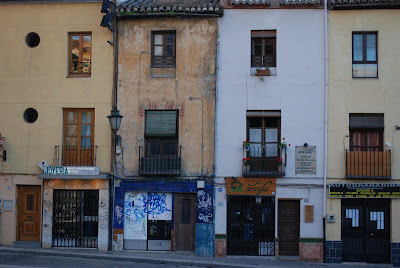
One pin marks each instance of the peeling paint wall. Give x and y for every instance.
(196, 46)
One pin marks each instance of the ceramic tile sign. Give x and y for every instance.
(306, 160)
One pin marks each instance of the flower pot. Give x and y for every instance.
(260, 72)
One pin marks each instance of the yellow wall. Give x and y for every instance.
(196, 47)
(37, 78)
(361, 95)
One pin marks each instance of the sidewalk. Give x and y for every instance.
(161, 257)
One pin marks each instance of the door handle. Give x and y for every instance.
(372, 234)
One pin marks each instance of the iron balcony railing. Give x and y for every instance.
(368, 164)
(264, 162)
(72, 155)
(159, 165)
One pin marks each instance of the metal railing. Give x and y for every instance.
(264, 162)
(368, 164)
(159, 165)
(72, 155)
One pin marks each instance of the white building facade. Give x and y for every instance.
(269, 153)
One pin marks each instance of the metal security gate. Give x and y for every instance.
(251, 225)
(75, 218)
(366, 230)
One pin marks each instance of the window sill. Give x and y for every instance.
(273, 71)
(162, 72)
(79, 75)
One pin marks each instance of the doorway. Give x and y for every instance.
(289, 227)
(366, 230)
(185, 221)
(29, 208)
(251, 225)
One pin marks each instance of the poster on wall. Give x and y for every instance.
(135, 216)
(159, 206)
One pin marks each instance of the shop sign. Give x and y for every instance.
(364, 190)
(250, 186)
(75, 171)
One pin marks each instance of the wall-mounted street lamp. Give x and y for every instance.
(115, 120)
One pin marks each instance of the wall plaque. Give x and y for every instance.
(306, 160)
(250, 186)
(309, 213)
(8, 205)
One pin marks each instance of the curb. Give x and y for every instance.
(112, 257)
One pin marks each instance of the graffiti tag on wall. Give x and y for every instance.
(204, 207)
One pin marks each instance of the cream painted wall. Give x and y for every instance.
(362, 95)
(369, 95)
(37, 78)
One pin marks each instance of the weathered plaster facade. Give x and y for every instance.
(189, 89)
(138, 91)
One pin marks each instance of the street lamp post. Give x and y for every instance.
(115, 122)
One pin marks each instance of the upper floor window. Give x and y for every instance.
(80, 54)
(161, 132)
(263, 48)
(365, 59)
(366, 132)
(163, 49)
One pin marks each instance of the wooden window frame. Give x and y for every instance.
(78, 131)
(81, 35)
(364, 136)
(364, 51)
(264, 125)
(164, 48)
(161, 140)
(263, 43)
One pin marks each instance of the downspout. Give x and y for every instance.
(115, 102)
(325, 127)
(216, 99)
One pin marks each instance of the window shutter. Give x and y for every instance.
(366, 121)
(160, 124)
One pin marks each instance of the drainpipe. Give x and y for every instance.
(115, 102)
(325, 124)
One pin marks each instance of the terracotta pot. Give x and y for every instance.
(263, 72)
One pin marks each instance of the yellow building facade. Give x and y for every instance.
(56, 85)
(363, 134)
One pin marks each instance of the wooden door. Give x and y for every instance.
(29, 208)
(289, 227)
(185, 221)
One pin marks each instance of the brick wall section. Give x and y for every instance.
(396, 254)
(333, 251)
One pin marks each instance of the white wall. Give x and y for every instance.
(297, 89)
